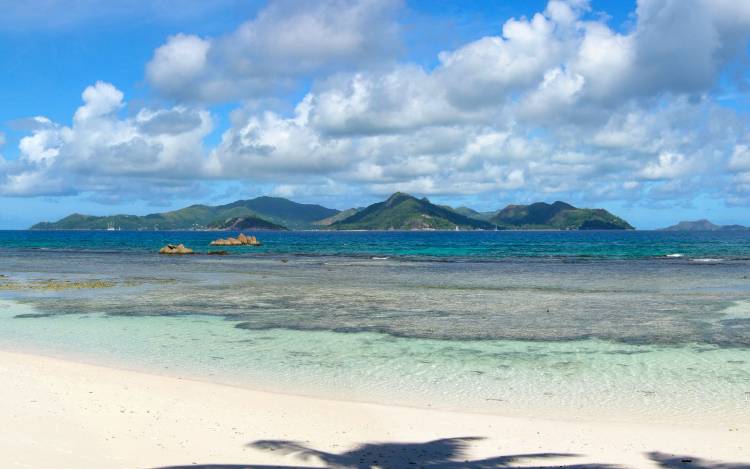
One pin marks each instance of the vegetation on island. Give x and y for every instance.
(399, 212)
(270, 213)
(338, 217)
(246, 223)
(405, 212)
(557, 216)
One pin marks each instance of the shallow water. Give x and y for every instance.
(563, 336)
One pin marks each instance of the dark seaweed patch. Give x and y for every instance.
(33, 315)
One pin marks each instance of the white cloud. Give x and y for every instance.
(740, 160)
(106, 154)
(559, 89)
(483, 72)
(558, 104)
(99, 100)
(667, 166)
(402, 99)
(177, 63)
(287, 40)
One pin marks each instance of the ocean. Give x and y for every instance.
(625, 325)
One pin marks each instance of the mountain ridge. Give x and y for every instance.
(558, 215)
(400, 211)
(274, 210)
(405, 212)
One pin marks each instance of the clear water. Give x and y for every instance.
(563, 325)
(442, 245)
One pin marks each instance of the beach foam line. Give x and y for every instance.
(64, 414)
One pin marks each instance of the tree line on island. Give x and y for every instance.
(399, 212)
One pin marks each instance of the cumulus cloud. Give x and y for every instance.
(740, 160)
(556, 103)
(286, 41)
(559, 104)
(739, 165)
(100, 150)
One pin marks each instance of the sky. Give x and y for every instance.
(141, 106)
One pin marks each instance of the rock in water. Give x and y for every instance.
(175, 249)
(240, 240)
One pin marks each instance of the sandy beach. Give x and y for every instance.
(63, 414)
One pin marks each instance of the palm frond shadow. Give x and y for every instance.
(668, 461)
(445, 453)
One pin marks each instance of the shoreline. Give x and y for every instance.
(533, 389)
(62, 413)
(551, 414)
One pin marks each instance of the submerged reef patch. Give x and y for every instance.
(55, 285)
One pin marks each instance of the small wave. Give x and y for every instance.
(376, 258)
(707, 260)
(674, 255)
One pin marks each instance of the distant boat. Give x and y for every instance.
(110, 227)
(457, 228)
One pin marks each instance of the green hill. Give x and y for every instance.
(557, 216)
(405, 212)
(273, 210)
(284, 212)
(246, 223)
(338, 217)
(471, 213)
(400, 212)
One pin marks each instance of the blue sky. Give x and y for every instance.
(135, 107)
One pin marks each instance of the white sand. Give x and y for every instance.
(61, 414)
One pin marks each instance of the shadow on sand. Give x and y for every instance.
(669, 461)
(446, 453)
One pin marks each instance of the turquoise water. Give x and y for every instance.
(551, 329)
(442, 245)
(586, 379)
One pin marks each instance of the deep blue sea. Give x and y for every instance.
(622, 325)
(487, 245)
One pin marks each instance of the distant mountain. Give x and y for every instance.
(285, 212)
(703, 225)
(405, 212)
(246, 223)
(338, 217)
(273, 210)
(557, 216)
(400, 212)
(471, 213)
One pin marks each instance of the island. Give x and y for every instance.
(703, 225)
(400, 211)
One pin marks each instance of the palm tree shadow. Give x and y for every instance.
(445, 453)
(689, 462)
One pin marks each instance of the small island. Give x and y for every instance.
(703, 225)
